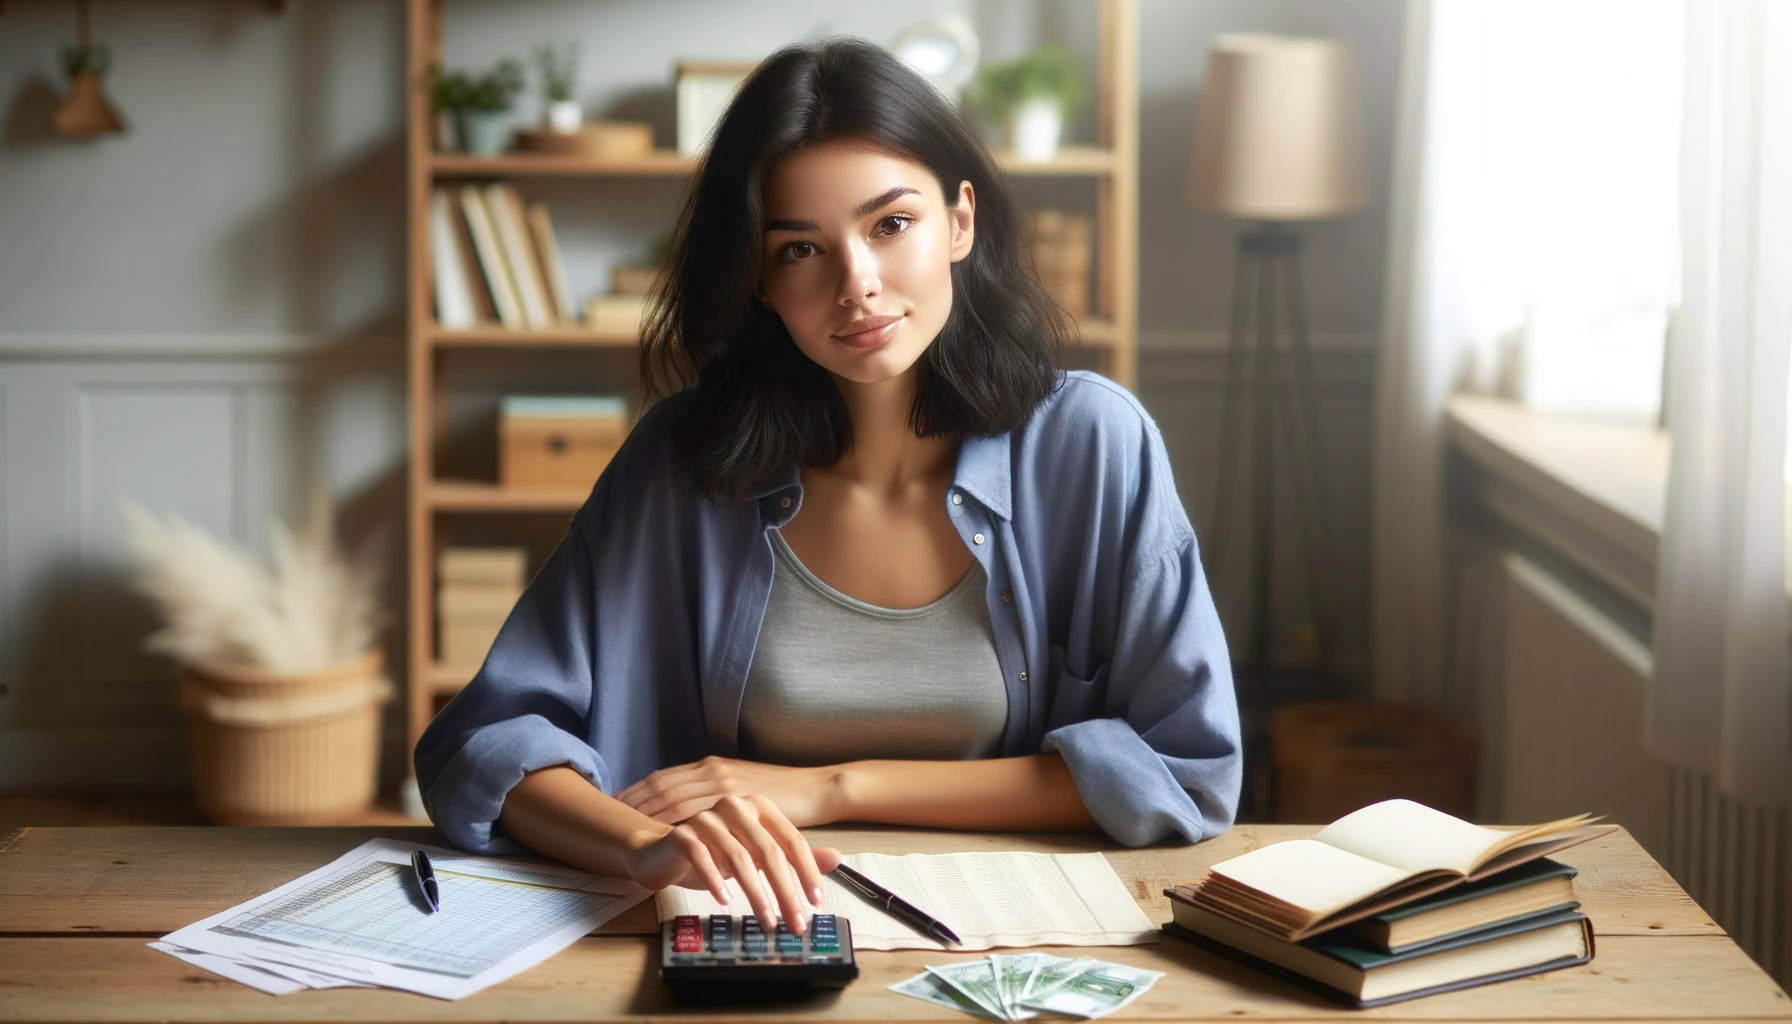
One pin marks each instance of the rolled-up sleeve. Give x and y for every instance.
(527, 708)
(1167, 760)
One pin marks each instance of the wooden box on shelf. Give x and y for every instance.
(1063, 254)
(554, 442)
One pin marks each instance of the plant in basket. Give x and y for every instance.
(280, 677)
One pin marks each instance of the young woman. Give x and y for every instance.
(873, 559)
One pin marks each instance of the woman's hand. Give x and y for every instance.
(737, 838)
(806, 796)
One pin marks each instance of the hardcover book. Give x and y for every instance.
(1362, 977)
(1383, 856)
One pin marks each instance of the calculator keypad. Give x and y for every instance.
(726, 949)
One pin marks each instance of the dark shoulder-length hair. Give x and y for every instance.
(752, 406)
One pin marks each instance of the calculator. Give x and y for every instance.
(737, 951)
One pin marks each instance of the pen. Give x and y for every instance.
(426, 880)
(896, 905)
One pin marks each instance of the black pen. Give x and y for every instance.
(896, 906)
(426, 879)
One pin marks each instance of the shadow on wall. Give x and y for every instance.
(28, 119)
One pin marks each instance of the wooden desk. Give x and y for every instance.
(77, 906)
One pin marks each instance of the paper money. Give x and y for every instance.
(977, 980)
(1024, 986)
(1012, 973)
(936, 990)
(1050, 972)
(1095, 992)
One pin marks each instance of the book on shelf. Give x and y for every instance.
(1542, 886)
(453, 292)
(1353, 973)
(482, 565)
(547, 254)
(492, 265)
(1383, 856)
(483, 310)
(507, 214)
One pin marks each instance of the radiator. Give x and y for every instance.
(1571, 690)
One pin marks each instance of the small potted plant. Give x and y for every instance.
(559, 67)
(479, 102)
(1033, 94)
(447, 98)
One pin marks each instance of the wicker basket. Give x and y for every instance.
(284, 749)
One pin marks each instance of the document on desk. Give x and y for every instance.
(989, 899)
(361, 918)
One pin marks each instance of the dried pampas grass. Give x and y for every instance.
(313, 609)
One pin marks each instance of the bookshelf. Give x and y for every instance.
(1110, 168)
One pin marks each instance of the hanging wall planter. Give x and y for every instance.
(84, 112)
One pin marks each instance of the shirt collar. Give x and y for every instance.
(983, 473)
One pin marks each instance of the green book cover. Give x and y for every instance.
(1364, 958)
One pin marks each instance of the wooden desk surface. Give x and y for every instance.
(77, 906)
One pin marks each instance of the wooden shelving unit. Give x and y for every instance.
(1110, 333)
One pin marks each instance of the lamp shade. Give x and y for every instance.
(1280, 130)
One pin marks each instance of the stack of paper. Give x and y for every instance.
(1030, 985)
(360, 921)
(988, 899)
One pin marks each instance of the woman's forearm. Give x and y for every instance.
(1034, 793)
(558, 813)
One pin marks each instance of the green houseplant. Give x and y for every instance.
(1033, 94)
(479, 103)
(559, 67)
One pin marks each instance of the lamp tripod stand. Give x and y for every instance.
(1266, 290)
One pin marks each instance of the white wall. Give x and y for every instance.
(206, 313)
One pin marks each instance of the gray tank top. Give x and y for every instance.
(835, 679)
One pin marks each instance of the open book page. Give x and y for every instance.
(988, 899)
(1412, 837)
(1316, 877)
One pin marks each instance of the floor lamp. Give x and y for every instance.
(1278, 142)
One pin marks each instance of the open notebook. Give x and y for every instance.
(991, 899)
(1366, 862)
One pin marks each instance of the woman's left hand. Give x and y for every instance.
(670, 795)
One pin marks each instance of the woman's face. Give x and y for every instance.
(857, 256)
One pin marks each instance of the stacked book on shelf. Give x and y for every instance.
(477, 589)
(1393, 902)
(495, 259)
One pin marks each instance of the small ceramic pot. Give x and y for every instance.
(565, 117)
(1034, 127)
(484, 132)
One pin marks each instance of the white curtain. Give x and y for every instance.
(1531, 250)
(1722, 697)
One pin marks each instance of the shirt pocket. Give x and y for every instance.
(1073, 698)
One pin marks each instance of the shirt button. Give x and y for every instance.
(783, 502)
(1023, 677)
(1006, 596)
(957, 499)
(977, 538)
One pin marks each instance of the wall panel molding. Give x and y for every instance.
(384, 343)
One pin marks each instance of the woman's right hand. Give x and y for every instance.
(737, 838)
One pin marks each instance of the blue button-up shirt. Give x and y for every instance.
(629, 650)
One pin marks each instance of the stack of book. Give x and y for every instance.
(1393, 902)
(493, 258)
(477, 587)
